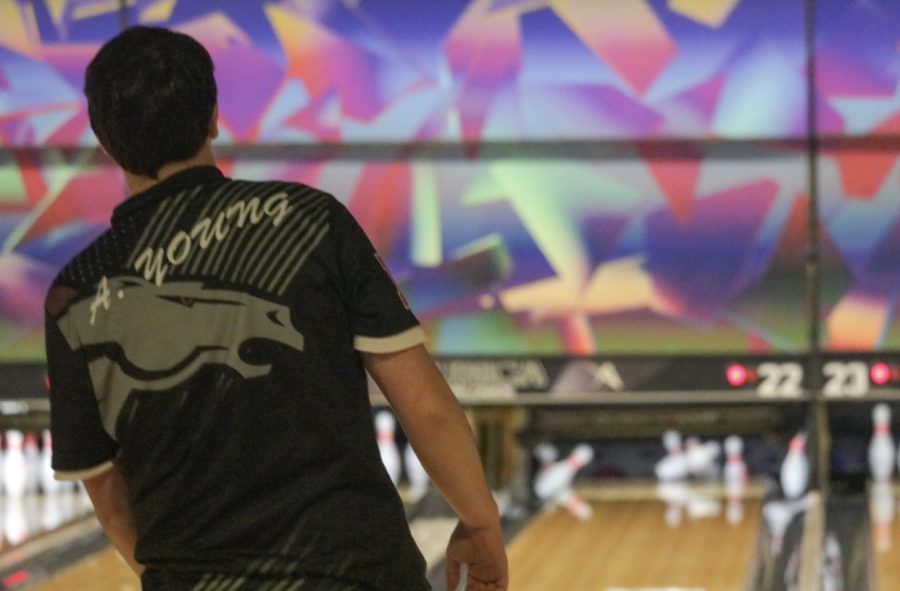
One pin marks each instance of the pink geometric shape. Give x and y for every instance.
(241, 106)
(70, 60)
(677, 176)
(838, 74)
(705, 97)
(326, 63)
(864, 172)
(72, 131)
(71, 205)
(383, 196)
(312, 119)
(484, 52)
(626, 35)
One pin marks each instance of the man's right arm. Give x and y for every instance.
(442, 439)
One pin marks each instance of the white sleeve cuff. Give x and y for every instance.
(83, 474)
(398, 342)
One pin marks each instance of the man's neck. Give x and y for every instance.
(138, 183)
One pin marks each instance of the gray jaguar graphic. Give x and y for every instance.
(166, 333)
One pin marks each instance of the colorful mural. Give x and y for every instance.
(648, 196)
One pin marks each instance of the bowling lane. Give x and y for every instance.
(104, 571)
(885, 535)
(636, 544)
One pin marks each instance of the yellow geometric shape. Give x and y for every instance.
(709, 12)
(158, 12)
(14, 30)
(57, 9)
(619, 286)
(857, 322)
(96, 8)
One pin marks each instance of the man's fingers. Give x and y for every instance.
(452, 574)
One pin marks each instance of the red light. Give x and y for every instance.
(736, 374)
(880, 374)
(15, 579)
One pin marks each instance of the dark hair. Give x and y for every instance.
(151, 95)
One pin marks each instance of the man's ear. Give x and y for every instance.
(214, 123)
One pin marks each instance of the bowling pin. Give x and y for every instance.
(545, 454)
(674, 465)
(735, 473)
(575, 505)
(385, 426)
(778, 515)
(833, 569)
(51, 512)
(881, 447)
(15, 524)
(795, 468)
(32, 464)
(49, 484)
(416, 474)
(559, 476)
(881, 512)
(702, 456)
(735, 479)
(675, 494)
(702, 506)
(14, 467)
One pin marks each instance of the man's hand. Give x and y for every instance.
(482, 550)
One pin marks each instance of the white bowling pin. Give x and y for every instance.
(15, 523)
(881, 447)
(416, 474)
(32, 464)
(49, 484)
(674, 465)
(734, 510)
(385, 426)
(559, 476)
(51, 513)
(702, 457)
(833, 569)
(14, 467)
(778, 515)
(795, 468)
(575, 505)
(702, 506)
(881, 512)
(735, 479)
(735, 472)
(545, 454)
(675, 494)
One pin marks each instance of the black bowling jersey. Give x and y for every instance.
(207, 343)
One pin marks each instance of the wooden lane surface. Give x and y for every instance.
(886, 542)
(627, 545)
(105, 571)
(886, 561)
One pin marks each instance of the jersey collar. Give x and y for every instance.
(186, 179)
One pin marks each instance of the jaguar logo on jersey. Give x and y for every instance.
(164, 334)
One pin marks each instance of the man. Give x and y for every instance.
(207, 357)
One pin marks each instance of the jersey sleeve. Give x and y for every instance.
(81, 446)
(380, 316)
